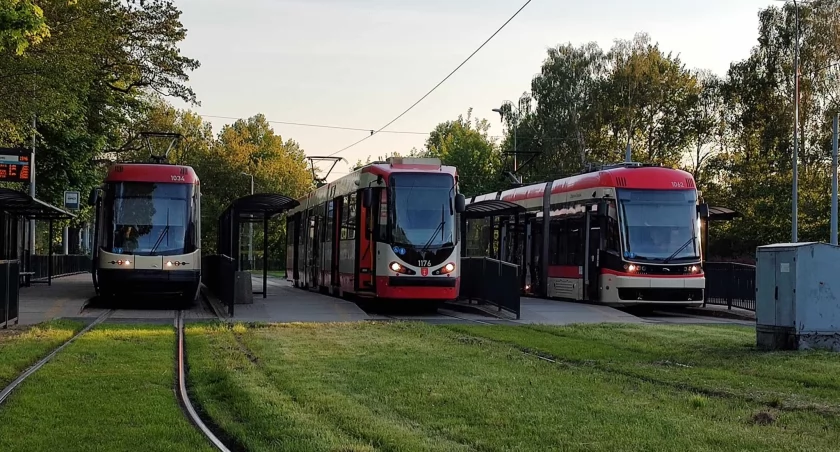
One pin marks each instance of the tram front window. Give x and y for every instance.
(422, 209)
(150, 219)
(656, 224)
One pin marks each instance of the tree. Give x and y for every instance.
(22, 25)
(464, 144)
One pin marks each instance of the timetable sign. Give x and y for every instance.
(14, 164)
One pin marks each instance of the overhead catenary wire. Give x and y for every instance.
(439, 83)
(321, 126)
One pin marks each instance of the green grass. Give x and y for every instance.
(720, 361)
(22, 348)
(111, 390)
(405, 387)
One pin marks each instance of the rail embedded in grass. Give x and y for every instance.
(111, 389)
(718, 361)
(404, 386)
(7, 391)
(22, 347)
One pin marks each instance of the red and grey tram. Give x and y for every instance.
(148, 231)
(385, 231)
(623, 235)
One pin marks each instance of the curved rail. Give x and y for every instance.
(183, 396)
(4, 394)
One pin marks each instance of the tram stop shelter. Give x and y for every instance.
(15, 209)
(503, 289)
(256, 208)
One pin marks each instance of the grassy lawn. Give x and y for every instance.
(111, 390)
(23, 347)
(405, 386)
(716, 361)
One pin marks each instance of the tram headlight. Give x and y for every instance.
(396, 267)
(169, 263)
(692, 269)
(445, 270)
(631, 268)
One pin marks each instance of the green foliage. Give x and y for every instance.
(465, 144)
(22, 24)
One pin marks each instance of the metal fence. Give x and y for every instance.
(218, 273)
(9, 292)
(730, 284)
(491, 281)
(59, 265)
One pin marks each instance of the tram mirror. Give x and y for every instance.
(367, 198)
(460, 203)
(703, 210)
(603, 208)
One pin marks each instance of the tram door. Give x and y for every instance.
(593, 255)
(535, 261)
(315, 257)
(365, 241)
(338, 204)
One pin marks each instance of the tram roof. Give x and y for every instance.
(151, 172)
(21, 204)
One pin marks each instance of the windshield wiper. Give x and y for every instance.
(438, 228)
(668, 259)
(162, 235)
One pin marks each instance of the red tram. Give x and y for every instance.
(385, 231)
(628, 234)
(147, 231)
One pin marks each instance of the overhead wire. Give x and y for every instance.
(436, 86)
(322, 126)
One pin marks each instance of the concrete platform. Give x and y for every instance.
(286, 303)
(65, 298)
(555, 312)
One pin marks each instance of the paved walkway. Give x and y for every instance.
(286, 303)
(555, 312)
(66, 297)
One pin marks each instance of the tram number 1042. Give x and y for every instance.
(677, 184)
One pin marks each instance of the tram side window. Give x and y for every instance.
(345, 213)
(351, 216)
(566, 241)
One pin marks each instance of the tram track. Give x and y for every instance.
(7, 391)
(181, 388)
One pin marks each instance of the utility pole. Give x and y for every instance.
(501, 113)
(795, 213)
(834, 182)
(32, 185)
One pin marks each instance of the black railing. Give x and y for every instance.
(218, 273)
(730, 284)
(62, 265)
(491, 281)
(9, 292)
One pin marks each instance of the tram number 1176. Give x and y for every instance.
(424, 263)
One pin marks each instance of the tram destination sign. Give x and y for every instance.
(14, 164)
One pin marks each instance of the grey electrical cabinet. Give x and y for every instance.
(798, 296)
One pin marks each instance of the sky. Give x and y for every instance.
(360, 63)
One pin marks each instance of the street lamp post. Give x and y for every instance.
(795, 208)
(501, 113)
(250, 228)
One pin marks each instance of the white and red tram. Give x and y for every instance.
(387, 231)
(623, 235)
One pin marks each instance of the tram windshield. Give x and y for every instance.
(659, 224)
(150, 219)
(423, 209)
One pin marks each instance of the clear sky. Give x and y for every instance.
(359, 63)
